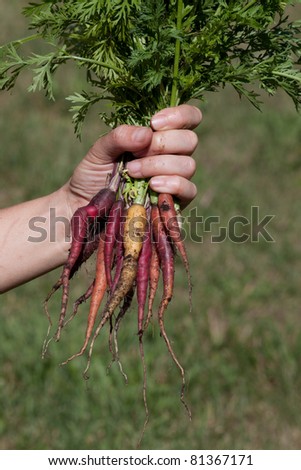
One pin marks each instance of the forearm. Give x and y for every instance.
(34, 239)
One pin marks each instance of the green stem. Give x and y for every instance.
(33, 37)
(92, 61)
(20, 42)
(249, 5)
(153, 197)
(297, 78)
(174, 90)
(134, 190)
(141, 187)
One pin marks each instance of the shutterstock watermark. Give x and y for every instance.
(238, 229)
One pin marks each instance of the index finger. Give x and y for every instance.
(183, 116)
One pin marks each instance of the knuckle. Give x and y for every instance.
(119, 133)
(150, 166)
(159, 143)
(143, 168)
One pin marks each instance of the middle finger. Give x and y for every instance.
(178, 142)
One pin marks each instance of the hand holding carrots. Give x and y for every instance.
(140, 247)
(163, 155)
(136, 229)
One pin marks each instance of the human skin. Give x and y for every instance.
(163, 154)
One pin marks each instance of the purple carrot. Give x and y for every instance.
(79, 224)
(112, 230)
(98, 207)
(119, 252)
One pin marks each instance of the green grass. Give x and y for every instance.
(241, 346)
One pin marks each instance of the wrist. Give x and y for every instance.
(39, 241)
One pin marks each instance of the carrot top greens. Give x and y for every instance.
(143, 56)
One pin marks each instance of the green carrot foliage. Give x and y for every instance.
(143, 56)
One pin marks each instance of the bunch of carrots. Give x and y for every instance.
(136, 234)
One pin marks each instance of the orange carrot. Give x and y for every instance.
(99, 290)
(134, 228)
(143, 273)
(154, 275)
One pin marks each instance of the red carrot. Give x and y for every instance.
(169, 218)
(79, 225)
(104, 200)
(119, 252)
(112, 229)
(89, 248)
(99, 206)
(166, 256)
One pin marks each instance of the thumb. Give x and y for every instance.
(122, 139)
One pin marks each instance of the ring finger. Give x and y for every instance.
(162, 165)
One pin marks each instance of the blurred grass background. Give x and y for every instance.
(241, 347)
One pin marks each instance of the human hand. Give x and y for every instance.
(163, 154)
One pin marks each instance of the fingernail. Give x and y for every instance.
(159, 121)
(134, 167)
(140, 134)
(157, 182)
